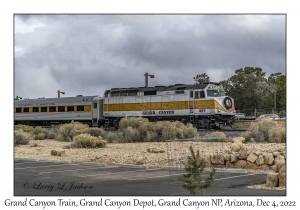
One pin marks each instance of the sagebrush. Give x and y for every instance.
(21, 137)
(265, 130)
(88, 141)
(137, 129)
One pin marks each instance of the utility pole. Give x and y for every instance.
(146, 78)
(59, 92)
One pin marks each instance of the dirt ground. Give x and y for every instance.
(154, 154)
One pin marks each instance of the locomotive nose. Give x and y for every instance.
(227, 102)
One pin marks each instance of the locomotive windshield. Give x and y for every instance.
(215, 93)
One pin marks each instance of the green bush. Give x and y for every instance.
(88, 141)
(21, 137)
(282, 113)
(67, 132)
(264, 130)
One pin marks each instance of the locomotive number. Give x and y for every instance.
(201, 110)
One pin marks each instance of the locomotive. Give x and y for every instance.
(203, 105)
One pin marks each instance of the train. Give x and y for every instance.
(203, 105)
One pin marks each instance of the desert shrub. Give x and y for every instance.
(281, 135)
(25, 128)
(21, 137)
(111, 137)
(220, 136)
(151, 136)
(37, 130)
(133, 122)
(190, 132)
(40, 136)
(51, 135)
(131, 134)
(94, 132)
(88, 141)
(172, 132)
(67, 132)
(262, 131)
(143, 130)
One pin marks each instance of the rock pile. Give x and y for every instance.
(240, 157)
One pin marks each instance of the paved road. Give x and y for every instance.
(34, 178)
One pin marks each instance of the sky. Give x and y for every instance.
(88, 54)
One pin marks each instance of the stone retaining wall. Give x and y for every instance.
(240, 157)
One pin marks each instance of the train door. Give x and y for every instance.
(97, 110)
(192, 107)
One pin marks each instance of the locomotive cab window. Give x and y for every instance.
(35, 109)
(18, 110)
(202, 94)
(80, 108)
(25, 109)
(191, 94)
(197, 94)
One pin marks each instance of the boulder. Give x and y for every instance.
(260, 160)
(235, 147)
(154, 150)
(269, 158)
(252, 158)
(238, 139)
(227, 157)
(243, 155)
(279, 161)
(233, 158)
(277, 153)
(264, 167)
(58, 153)
(258, 153)
(217, 160)
(272, 179)
(140, 160)
(240, 164)
(228, 164)
(251, 165)
(282, 176)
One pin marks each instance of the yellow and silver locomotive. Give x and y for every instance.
(203, 105)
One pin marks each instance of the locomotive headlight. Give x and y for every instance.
(227, 102)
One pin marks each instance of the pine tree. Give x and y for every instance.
(192, 180)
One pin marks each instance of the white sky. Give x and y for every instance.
(88, 55)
